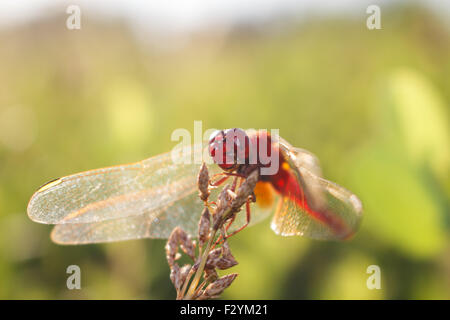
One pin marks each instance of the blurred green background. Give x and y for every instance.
(372, 105)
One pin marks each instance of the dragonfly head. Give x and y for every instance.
(229, 148)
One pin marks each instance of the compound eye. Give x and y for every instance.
(229, 148)
(240, 142)
(215, 134)
(215, 142)
(216, 146)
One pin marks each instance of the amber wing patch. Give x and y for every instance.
(265, 196)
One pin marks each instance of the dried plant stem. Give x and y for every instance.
(192, 289)
(208, 257)
(200, 269)
(186, 282)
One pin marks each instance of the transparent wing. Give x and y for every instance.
(326, 210)
(159, 223)
(119, 191)
(147, 199)
(305, 159)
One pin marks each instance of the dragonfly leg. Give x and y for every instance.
(231, 222)
(218, 182)
(219, 239)
(248, 215)
(234, 185)
(237, 178)
(222, 180)
(234, 174)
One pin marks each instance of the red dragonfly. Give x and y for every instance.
(148, 199)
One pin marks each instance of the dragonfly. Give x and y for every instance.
(149, 198)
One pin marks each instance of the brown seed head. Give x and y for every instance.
(203, 182)
(175, 276)
(172, 247)
(217, 287)
(210, 275)
(184, 271)
(245, 191)
(186, 243)
(227, 260)
(223, 202)
(203, 227)
(213, 258)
